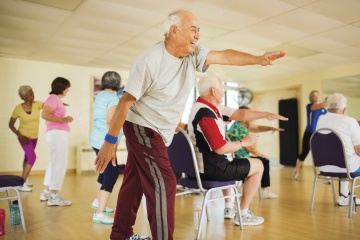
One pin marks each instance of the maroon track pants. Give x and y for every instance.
(148, 171)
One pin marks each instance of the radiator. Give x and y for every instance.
(85, 157)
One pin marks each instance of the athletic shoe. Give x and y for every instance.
(25, 188)
(44, 196)
(95, 204)
(229, 213)
(102, 218)
(29, 183)
(344, 201)
(327, 180)
(58, 201)
(249, 219)
(138, 237)
(267, 194)
(296, 177)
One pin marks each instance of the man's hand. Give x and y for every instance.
(269, 57)
(106, 154)
(250, 139)
(273, 116)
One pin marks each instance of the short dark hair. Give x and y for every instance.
(244, 107)
(59, 85)
(111, 80)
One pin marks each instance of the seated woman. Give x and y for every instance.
(238, 131)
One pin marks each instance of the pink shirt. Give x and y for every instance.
(59, 110)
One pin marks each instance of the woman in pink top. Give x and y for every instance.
(28, 114)
(57, 133)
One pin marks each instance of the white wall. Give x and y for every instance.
(39, 75)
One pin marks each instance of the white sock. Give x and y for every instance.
(344, 188)
(229, 205)
(244, 211)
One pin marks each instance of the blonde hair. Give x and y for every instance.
(311, 95)
(23, 90)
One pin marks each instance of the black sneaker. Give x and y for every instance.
(138, 237)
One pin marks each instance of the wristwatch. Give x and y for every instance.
(242, 143)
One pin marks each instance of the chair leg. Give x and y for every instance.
(237, 201)
(313, 194)
(352, 204)
(202, 213)
(333, 190)
(259, 190)
(21, 210)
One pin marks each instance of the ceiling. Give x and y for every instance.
(316, 34)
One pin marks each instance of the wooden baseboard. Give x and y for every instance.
(35, 172)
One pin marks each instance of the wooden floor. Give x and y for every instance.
(287, 217)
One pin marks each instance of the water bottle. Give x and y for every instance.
(15, 213)
(2, 222)
(196, 218)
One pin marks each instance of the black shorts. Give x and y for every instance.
(238, 170)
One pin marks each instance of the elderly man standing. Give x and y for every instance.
(349, 131)
(159, 84)
(213, 152)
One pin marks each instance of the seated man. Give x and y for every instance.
(207, 132)
(349, 131)
(238, 131)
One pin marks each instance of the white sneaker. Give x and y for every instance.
(44, 196)
(344, 201)
(229, 213)
(296, 176)
(29, 183)
(102, 218)
(25, 188)
(327, 180)
(249, 219)
(58, 201)
(267, 194)
(95, 204)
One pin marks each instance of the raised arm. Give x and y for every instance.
(233, 57)
(317, 106)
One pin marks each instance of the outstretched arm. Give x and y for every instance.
(260, 128)
(233, 57)
(249, 115)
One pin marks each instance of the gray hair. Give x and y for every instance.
(23, 90)
(206, 83)
(337, 101)
(173, 18)
(111, 80)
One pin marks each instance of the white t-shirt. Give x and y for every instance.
(161, 84)
(349, 131)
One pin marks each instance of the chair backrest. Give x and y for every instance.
(327, 148)
(181, 153)
(182, 156)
